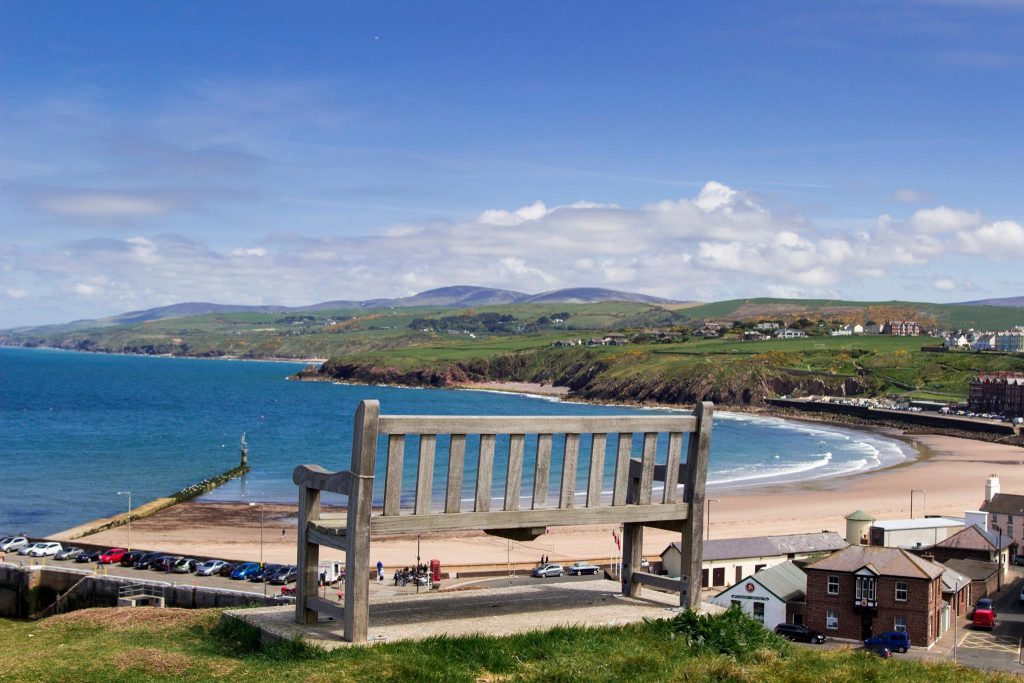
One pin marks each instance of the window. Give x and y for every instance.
(901, 591)
(739, 573)
(759, 567)
(832, 619)
(759, 612)
(833, 585)
(899, 624)
(735, 603)
(866, 586)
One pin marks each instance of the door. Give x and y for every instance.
(719, 576)
(739, 573)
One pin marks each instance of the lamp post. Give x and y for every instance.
(924, 502)
(129, 494)
(261, 547)
(708, 515)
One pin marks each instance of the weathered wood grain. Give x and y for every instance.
(623, 456)
(484, 473)
(425, 474)
(514, 471)
(571, 454)
(542, 472)
(456, 463)
(567, 424)
(596, 475)
(393, 480)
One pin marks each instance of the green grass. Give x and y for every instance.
(175, 645)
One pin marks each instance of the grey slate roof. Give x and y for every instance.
(1005, 504)
(884, 561)
(785, 580)
(975, 569)
(952, 578)
(770, 546)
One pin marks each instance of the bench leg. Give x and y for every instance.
(632, 557)
(308, 559)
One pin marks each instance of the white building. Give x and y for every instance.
(790, 333)
(772, 596)
(913, 533)
(1011, 341)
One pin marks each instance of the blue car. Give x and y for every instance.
(245, 570)
(897, 641)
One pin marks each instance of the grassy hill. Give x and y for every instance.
(128, 644)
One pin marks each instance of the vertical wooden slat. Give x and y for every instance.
(425, 474)
(571, 456)
(485, 467)
(675, 449)
(514, 473)
(308, 556)
(360, 501)
(393, 482)
(456, 461)
(542, 472)
(647, 467)
(596, 478)
(623, 452)
(692, 541)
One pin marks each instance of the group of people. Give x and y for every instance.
(544, 559)
(417, 574)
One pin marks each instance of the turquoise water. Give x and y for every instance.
(76, 428)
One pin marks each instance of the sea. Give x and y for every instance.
(78, 428)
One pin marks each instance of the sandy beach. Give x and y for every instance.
(951, 471)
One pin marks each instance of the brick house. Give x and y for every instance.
(902, 328)
(997, 392)
(861, 591)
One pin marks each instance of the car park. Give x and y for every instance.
(130, 557)
(112, 556)
(546, 570)
(45, 549)
(227, 569)
(245, 570)
(581, 568)
(13, 544)
(799, 633)
(185, 565)
(148, 560)
(286, 574)
(897, 641)
(209, 567)
(68, 553)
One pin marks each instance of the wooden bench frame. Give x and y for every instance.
(632, 503)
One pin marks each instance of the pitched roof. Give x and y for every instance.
(786, 581)
(1005, 504)
(860, 516)
(975, 569)
(951, 579)
(884, 561)
(769, 546)
(975, 538)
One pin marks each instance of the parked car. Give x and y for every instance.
(228, 568)
(800, 633)
(286, 574)
(245, 570)
(166, 563)
(983, 618)
(209, 568)
(26, 549)
(69, 553)
(264, 572)
(1020, 598)
(89, 556)
(148, 560)
(130, 557)
(580, 568)
(546, 570)
(986, 603)
(112, 556)
(185, 565)
(13, 544)
(879, 650)
(1018, 559)
(45, 549)
(898, 641)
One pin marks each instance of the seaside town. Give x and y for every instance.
(492, 342)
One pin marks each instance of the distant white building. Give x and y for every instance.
(913, 533)
(1011, 341)
(790, 333)
(984, 342)
(848, 330)
(775, 595)
(767, 326)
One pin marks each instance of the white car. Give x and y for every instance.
(45, 549)
(209, 568)
(26, 549)
(13, 544)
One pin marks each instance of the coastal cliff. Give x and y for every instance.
(632, 376)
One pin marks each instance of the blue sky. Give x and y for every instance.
(298, 152)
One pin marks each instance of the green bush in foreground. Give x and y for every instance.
(179, 645)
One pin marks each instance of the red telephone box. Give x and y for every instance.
(435, 571)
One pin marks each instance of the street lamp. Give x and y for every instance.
(708, 515)
(129, 494)
(261, 547)
(924, 501)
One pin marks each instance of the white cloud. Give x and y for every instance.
(944, 219)
(944, 284)
(1001, 239)
(16, 293)
(908, 196)
(252, 251)
(84, 289)
(105, 205)
(508, 218)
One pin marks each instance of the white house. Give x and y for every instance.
(772, 596)
(914, 533)
(790, 333)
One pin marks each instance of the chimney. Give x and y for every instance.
(991, 488)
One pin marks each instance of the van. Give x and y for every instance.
(897, 641)
(984, 618)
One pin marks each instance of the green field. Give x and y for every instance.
(119, 645)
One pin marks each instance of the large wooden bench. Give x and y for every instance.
(634, 501)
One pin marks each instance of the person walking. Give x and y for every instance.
(380, 572)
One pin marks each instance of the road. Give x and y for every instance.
(1000, 648)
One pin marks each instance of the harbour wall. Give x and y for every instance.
(923, 419)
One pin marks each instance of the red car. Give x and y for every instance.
(111, 556)
(983, 618)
